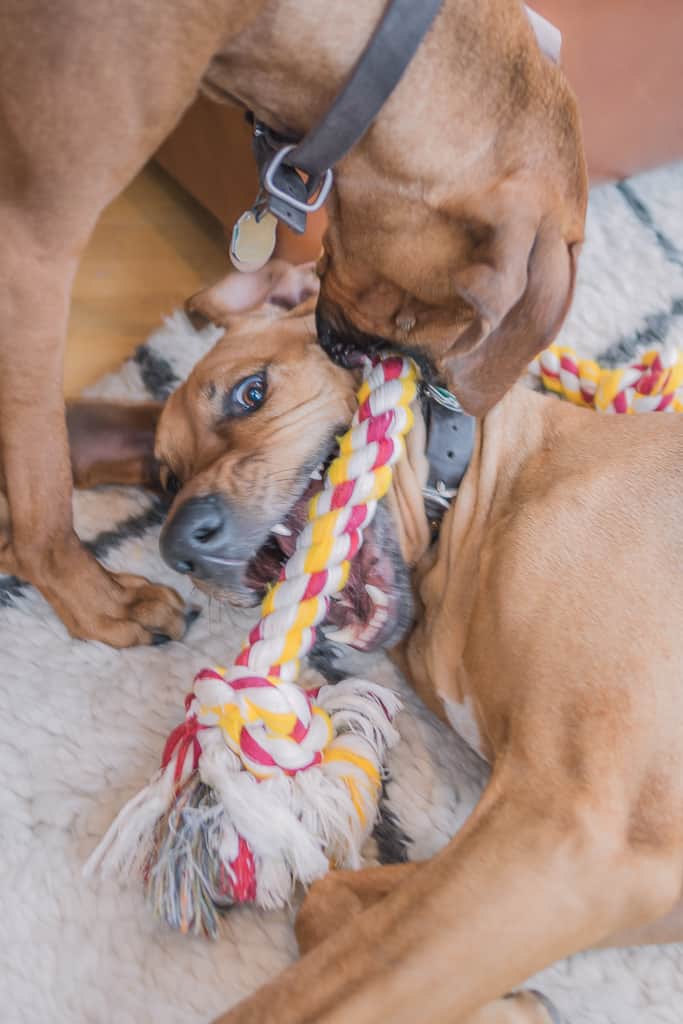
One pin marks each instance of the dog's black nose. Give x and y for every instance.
(199, 530)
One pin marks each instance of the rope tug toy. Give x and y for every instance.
(265, 783)
(653, 382)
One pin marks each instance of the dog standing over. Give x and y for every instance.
(454, 222)
(546, 628)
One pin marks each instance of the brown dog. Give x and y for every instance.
(453, 225)
(547, 630)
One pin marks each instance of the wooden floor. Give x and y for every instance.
(153, 247)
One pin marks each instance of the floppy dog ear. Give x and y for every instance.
(113, 442)
(278, 283)
(520, 296)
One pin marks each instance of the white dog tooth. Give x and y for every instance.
(377, 596)
(379, 618)
(283, 530)
(374, 627)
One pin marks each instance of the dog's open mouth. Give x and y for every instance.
(371, 610)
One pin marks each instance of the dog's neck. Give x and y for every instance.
(502, 442)
(447, 579)
(262, 69)
(383, 61)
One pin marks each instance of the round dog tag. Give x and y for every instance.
(252, 241)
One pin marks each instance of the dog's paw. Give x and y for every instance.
(134, 611)
(116, 608)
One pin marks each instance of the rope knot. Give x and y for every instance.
(270, 724)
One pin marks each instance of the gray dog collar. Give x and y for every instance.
(450, 443)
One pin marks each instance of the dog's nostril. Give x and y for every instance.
(207, 528)
(204, 533)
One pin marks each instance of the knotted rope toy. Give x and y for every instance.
(265, 783)
(653, 382)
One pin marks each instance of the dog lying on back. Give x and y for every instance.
(543, 622)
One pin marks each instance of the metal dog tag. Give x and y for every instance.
(253, 241)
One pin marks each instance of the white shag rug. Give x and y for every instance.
(82, 726)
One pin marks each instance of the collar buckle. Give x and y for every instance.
(289, 194)
(284, 192)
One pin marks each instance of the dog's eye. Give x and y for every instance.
(248, 395)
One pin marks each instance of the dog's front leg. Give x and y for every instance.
(534, 876)
(87, 94)
(40, 544)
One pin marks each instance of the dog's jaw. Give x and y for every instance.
(375, 608)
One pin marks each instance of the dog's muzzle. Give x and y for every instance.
(204, 539)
